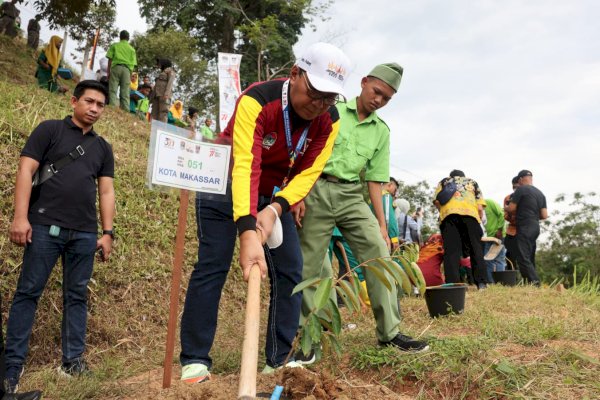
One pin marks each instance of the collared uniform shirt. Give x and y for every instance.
(122, 53)
(360, 144)
(495, 218)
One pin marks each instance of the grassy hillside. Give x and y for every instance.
(510, 342)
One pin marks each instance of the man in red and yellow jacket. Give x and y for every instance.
(282, 134)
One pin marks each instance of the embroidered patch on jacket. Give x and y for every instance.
(269, 140)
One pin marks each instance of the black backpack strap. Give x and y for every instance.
(50, 169)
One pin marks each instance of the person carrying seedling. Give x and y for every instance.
(282, 133)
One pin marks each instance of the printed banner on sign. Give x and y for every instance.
(189, 164)
(229, 86)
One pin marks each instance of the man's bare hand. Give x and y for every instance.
(385, 237)
(252, 252)
(298, 211)
(104, 244)
(20, 231)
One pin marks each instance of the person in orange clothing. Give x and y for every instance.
(431, 257)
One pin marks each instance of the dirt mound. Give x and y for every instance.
(305, 384)
(298, 384)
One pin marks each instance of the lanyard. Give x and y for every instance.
(292, 153)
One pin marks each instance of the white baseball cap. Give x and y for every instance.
(326, 66)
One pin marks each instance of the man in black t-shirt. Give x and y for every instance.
(57, 218)
(529, 203)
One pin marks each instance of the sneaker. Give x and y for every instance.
(267, 370)
(195, 373)
(482, 286)
(302, 359)
(73, 368)
(406, 343)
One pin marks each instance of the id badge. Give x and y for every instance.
(54, 231)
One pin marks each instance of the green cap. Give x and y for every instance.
(390, 73)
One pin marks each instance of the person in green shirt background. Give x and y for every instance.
(206, 132)
(122, 60)
(494, 227)
(336, 200)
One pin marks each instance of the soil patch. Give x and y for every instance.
(298, 384)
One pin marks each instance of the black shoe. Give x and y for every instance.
(76, 367)
(11, 385)
(302, 359)
(406, 343)
(482, 286)
(34, 395)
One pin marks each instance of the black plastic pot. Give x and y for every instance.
(444, 300)
(509, 277)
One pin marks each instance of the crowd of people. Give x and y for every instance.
(299, 149)
(117, 72)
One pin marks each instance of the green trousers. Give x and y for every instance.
(120, 77)
(342, 204)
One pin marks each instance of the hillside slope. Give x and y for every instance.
(517, 342)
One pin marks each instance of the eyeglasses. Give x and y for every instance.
(315, 95)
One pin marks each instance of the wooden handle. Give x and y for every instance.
(247, 388)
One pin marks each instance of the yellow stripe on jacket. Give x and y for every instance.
(244, 130)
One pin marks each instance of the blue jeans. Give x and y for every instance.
(76, 250)
(497, 264)
(216, 236)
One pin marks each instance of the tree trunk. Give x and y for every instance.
(86, 55)
(228, 39)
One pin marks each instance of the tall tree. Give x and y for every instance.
(81, 19)
(263, 31)
(195, 84)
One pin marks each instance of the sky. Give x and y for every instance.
(489, 87)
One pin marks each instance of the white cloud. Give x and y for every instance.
(489, 87)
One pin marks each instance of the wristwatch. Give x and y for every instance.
(110, 232)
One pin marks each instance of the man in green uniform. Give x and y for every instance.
(122, 60)
(336, 200)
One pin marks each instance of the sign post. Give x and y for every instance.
(174, 160)
(175, 285)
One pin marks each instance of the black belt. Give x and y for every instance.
(335, 179)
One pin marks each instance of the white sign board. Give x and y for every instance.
(228, 65)
(189, 164)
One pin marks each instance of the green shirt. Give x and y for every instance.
(495, 218)
(360, 144)
(122, 53)
(207, 132)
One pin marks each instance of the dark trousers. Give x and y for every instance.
(216, 236)
(460, 231)
(76, 249)
(525, 253)
(510, 242)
